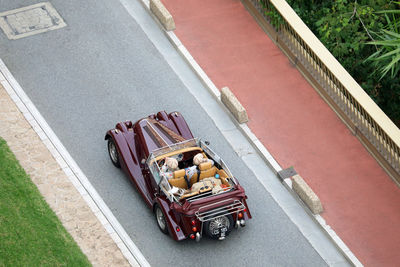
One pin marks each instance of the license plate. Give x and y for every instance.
(221, 230)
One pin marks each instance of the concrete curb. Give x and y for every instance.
(234, 106)
(324, 226)
(260, 148)
(162, 14)
(72, 170)
(306, 194)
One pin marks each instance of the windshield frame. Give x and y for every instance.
(194, 142)
(217, 159)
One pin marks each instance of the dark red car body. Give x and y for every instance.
(135, 143)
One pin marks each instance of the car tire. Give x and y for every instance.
(160, 219)
(211, 225)
(113, 153)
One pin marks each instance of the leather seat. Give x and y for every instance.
(179, 179)
(206, 169)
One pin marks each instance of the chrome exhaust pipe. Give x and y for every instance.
(198, 237)
(237, 224)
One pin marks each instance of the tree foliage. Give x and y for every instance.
(387, 58)
(354, 31)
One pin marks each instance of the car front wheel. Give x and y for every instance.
(113, 152)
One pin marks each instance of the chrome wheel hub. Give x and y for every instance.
(113, 152)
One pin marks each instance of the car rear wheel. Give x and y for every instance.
(160, 218)
(219, 227)
(113, 153)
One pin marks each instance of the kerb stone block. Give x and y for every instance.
(234, 106)
(162, 14)
(306, 194)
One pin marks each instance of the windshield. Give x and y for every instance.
(155, 171)
(174, 147)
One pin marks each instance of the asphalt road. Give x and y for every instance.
(102, 69)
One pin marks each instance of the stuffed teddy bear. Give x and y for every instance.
(170, 165)
(199, 158)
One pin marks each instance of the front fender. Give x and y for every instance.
(128, 160)
(121, 145)
(181, 125)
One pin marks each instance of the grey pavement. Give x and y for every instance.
(103, 67)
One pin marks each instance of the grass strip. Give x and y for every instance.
(30, 232)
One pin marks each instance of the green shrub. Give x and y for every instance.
(387, 58)
(346, 28)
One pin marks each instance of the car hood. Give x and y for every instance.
(155, 134)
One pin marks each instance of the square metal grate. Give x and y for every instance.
(30, 20)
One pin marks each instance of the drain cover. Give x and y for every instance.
(30, 20)
(286, 173)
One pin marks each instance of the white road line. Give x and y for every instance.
(71, 169)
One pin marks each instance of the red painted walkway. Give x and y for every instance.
(361, 202)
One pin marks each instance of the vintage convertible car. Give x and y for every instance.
(190, 201)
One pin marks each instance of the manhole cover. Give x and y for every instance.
(30, 20)
(286, 173)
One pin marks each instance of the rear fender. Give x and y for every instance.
(171, 221)
(247, 214)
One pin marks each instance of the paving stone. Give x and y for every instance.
(56, 188)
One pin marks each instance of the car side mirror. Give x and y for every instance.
(207, 143)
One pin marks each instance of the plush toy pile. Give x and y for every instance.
(212, 184)
(207, 184)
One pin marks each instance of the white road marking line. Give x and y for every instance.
(85, 188)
